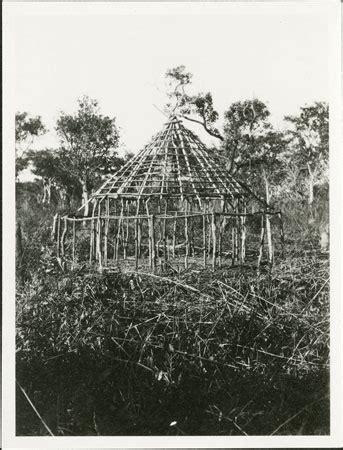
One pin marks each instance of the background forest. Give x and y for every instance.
(234, 351)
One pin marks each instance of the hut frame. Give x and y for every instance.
(173, 205)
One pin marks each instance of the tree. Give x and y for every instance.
(47, 165)
(310, 139)
(199, 105)
(26, 130)
(88, 143)
(248, 143)
(252, 147)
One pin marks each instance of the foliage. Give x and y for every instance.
(26, 130)
(27, 127)
(88, 139)
(310, 143)
(256, 151)
(88, 143)
(199, 105)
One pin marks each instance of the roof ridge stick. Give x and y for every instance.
(167, 131)
(188, 166)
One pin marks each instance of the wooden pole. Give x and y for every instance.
(149, 232)
(186, 235)
(260, 253)
(74, 239)
(92, 235)
(214, 240)
(139, 238)
(220, 239)
(119, 230)
(107, 223)
(126, 232)
(209, 237)
(158, 241)
(58, 236)
(191, 231)
(204, 237)
(152, 237)
(63, 236)
(242, 235)
(115, 230)
(53, 231)
(98, 240)
(164, 233)
(136, 236)
(174, 232)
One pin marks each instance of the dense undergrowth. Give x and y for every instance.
(224, 353)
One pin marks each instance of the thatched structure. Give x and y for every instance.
(174, 203)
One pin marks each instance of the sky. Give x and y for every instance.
(120, 60)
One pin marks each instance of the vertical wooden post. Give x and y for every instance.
(174, 232)
(119, 230)
(63, 235)
(53, 231)
(107, 223)
(139, 238)
(220, 239)
(242, 234)
(204, 236)
(74, 239)
(98, 238)
(159, 228)
(191, 231)
(92, 236)
(234, 240)
(260, 252)
(214, 240)
(164, 233)
(58, 236)
(137, 244)
(186, 235)
(152, 238)
(209, 237)
(126, 231)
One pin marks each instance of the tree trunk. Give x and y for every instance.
(310, 192)
(46, 197)
(267, 220)
(85, 196)
(19, 255)
(266, 186)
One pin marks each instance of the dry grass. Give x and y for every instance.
(231, 352)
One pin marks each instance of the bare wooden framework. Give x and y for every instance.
(173, 205)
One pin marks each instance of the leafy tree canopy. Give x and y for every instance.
(88, 139)
(191, 106)
(26, 127)
(310, 133)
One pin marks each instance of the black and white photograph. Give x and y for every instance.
(173, 255)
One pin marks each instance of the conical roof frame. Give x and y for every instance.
(174, 164)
